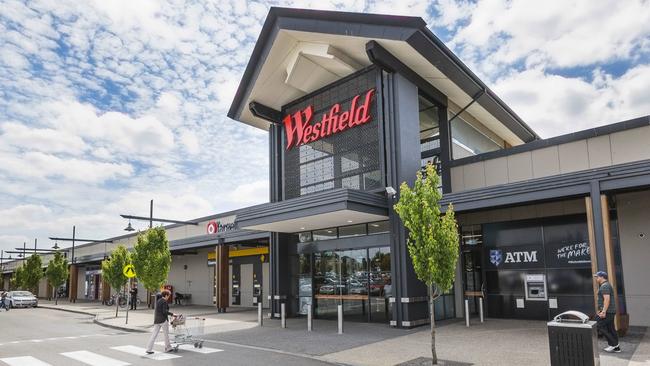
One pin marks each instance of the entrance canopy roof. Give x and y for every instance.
(300, 51)
(337, 207)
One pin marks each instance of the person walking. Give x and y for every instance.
(134, 297)
(161, 320)
(607, 312)
(3, 301)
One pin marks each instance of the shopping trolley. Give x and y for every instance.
(187, 331)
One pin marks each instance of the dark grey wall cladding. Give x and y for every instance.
(348, 159)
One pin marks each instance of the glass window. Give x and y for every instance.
(352, 230)
(325, 234)
(468, 141)
(429, 119)
(378, 227)
(304, 236)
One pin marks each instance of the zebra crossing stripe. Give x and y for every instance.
(24, 361)
(142, 352)
(190, 347)
(93, 359)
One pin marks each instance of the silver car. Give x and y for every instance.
(21, 299)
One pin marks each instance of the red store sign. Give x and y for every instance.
(300, 131)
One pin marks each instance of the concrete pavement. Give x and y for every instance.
(141, 320)
(495, 342)
(42, 337)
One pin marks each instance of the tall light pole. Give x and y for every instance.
(151, 219)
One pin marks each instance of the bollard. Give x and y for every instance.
(480, 308)
(340, 309)
(283, 315)
(467, 313)
(259, 314)
(309, 319)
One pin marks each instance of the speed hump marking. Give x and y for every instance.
(129, 271)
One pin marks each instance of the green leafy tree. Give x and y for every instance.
(16, 280)
(113, 270)
(152, 258)
(432, 238)
(57, 273)
(32, 273)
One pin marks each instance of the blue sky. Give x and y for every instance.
(105, 105)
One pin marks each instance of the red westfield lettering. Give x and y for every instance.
(300, 131)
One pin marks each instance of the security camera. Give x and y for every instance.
(391, 191)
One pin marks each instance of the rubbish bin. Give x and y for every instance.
(573, 340)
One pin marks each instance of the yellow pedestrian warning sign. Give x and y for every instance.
(129, 271)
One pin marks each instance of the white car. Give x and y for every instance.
(21, 299)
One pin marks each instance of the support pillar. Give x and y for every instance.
(222, 277)
(74, 279)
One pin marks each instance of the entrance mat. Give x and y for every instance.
(426, 361)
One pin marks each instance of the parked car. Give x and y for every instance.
(22, 299)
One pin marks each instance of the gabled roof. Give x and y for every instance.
(265, 79)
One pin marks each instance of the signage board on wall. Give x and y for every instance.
(220, 226)
(299, 129)
(515, 257)
(576, 254)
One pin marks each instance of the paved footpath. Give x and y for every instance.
(495, 342)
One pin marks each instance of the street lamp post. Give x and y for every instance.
(74, 239)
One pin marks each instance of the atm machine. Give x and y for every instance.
(535, 287)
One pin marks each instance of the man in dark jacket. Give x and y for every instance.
(134, 297)
(607, 312)
(161, 320)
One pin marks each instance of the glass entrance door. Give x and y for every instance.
(359, 279)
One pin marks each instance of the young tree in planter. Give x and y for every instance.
(113, 271)
(16, 281)
(32, 273)
(57, 273)
(432, 238)
(152, 258)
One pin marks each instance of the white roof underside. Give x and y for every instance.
(295, 66)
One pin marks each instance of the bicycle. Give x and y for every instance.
(121, 300)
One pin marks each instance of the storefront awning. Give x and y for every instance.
(338, 207)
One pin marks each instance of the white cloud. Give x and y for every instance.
(555, 105)
(553, 33)
(46, 140)
(23, 214)
(250, 193)
(41, 166)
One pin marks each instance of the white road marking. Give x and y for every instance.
(190, 347)
(94, 359)
(140, 351)
(24, 361)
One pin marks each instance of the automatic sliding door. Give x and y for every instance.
(380, 284)
(354, 276)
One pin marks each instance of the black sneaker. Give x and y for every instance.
(617, 349)
(150, 352)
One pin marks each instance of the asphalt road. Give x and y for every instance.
(41, 337)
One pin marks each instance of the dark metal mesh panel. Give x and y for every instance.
(348, 159)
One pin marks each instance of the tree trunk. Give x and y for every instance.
(434, 355)
(56, 296)
(117, 303)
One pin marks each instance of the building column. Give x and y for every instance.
(74, 279)
(601, 247)
(401, 130)
(222, 278)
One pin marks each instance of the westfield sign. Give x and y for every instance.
(299, 129)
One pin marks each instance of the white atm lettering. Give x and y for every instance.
(518, 257)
